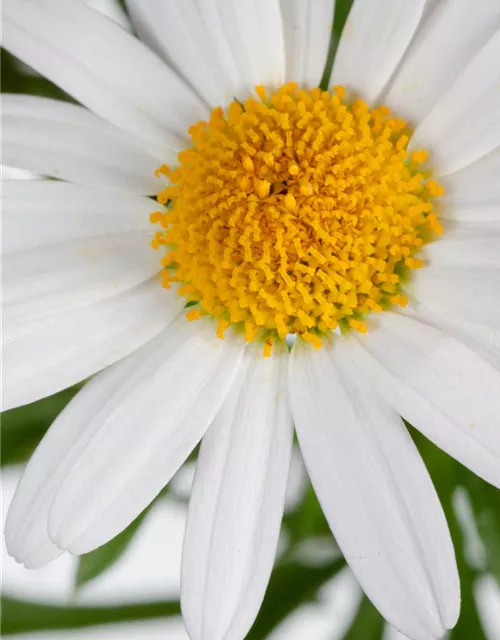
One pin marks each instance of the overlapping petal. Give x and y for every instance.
(119, 442)
(68, 142)
(103, 67)
(452, 33)
(441, 386)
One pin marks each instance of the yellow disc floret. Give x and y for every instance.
(295, 213)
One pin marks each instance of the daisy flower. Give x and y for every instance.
(324, 260)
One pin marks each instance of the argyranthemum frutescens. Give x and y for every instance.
(362, 221)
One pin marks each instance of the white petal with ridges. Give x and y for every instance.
(252, 31)
(437, 383)
(179, 34)
(373, 43)
(38, 213)
(308, 30)
(438, 54)
(52, 278)
(476, 184)
(44, 355)
(237, 502)
(375, 492)
(68, 142)
(103, 67)
(464, 125)
(143, 433)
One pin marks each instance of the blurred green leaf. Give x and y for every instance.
(291, 586)
(307, 519)
(17, 79)
(485, 501)
(93, 564)
(20, 616)
(368, 623)
(23, 428)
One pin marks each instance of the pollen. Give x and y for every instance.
(295, 212)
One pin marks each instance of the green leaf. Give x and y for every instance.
(291, 585)
(485, 501)
(307, 519)
(368, 623)
(93, 564)
(23, 428)
(342, 8)
(19, 616)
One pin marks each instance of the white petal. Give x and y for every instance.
(49, 279)
(464, 125)
(469, 293)
(178, 32)
(476, 184)
(373, 43)
(252, 31)
(473, 216)
(375, 492)
(464, 250)
(439, 385)
(308, 30)
(69, 142)
(237, 502)
(143, 433)
(450, 37)
(44, 355)
(38, 213)
(103, 67)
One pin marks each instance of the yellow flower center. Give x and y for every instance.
(295, 212)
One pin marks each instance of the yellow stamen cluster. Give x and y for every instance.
(295, 212)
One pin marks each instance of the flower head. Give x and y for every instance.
(362, 219)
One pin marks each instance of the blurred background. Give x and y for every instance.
(129, 588)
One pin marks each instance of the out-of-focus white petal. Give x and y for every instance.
(477, 184)
(252, 32)
(237, 502)
(372, 44)
(103, 67)
(40, 213)
(143, 432)
(453, 32)
(47, 354)
(483, 340)
(49, 279)
(469, 293)
(464, 250)
(375, 492)
(308, 29)
(441, 386)
(69, 142)
(464, 125)
(178, 32)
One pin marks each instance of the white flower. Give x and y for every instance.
(81, 295)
